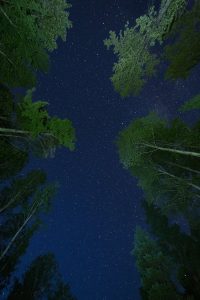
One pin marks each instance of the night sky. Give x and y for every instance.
(91, 225)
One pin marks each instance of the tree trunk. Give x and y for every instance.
(182, 152)
(16, 235)
(178, 178)
(8, 59)
(183, 167)
(7, 17)
(32, 212)
(14, 131)
(12, 200)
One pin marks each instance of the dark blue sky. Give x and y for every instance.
(91, 225)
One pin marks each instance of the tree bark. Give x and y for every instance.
(183, 167)
(14, 131)
(182, 152)
(178, 178)
(12, 200)
(16, 235)
(32, 212)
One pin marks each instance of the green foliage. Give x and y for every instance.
(6, 105)
(20, 190)
(34, 118)
(155, 268)
(15, 202)
(159, 155)
(184, 53)
(22, 204)
(133, 47)
(132, 141)
(31, 128)
(183, 248)
(63, 131)
(12, 158)
(10, 262)
(41, 281)
(135, 62)
(32, 115)
(28, 29)
(191, 104)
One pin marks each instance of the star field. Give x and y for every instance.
(90, 228)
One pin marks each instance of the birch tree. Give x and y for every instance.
(40, 203)
(20, 189)
(162, 157)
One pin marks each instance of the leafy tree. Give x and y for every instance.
(40, 203)
(32, 128)
(133, 47)
(183, 53)
(41, 281)
(28, 30)
(150, 134)
(155, 268)
(6, 105)
(12, 159)
(22, 204)
(181, 247)
(20, 189)
(162, 157)
(135, 62)
(9, 264)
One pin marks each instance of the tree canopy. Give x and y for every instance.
(167, 34)
(42, 280)
(28, 30)
(155, 268)
(32, 128)
(133, 46)
(162, 157)
(186, 37)
(21, 204)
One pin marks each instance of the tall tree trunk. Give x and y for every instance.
(12, 200)
(13, 131)
(32, 212)
(8, 59)
(7, 17)
(183, 167)
(178, 178)
(182, 152)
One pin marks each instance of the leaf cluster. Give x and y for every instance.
(136, 61)
(28, 30)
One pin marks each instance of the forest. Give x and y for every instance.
(162, 154)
